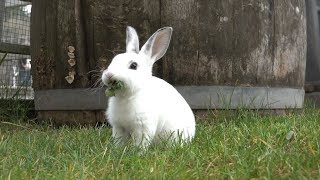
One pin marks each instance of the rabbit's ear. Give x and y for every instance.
(132, 40)
(157, 44)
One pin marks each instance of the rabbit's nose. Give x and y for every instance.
(107, 77)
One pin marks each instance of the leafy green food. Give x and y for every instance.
(115, 85)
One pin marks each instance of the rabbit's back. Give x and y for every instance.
(175, 113)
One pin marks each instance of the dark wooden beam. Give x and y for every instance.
(312, 86)
(14, 48)
(314, 98)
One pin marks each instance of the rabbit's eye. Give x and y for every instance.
(133, 66)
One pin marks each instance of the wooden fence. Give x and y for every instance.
(224, 54)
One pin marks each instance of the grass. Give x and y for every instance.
(238, 145)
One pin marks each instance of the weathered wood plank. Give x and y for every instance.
(263, 53)
(107, 25)
(81, 51)
(66, 36)
(215, 64)
(290, 43)
(180, 61)
(198, 97)
(253, 39)
(88, 24)
(236, 42)
(228, 97)
(43, 43)
(60, 25)
(71, 99)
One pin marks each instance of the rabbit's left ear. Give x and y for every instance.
(132, 40)
(157, 44)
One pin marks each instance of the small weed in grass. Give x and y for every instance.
(239, 145)
(14, 110)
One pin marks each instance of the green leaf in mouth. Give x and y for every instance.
(114, 86)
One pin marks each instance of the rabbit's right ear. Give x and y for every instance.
(157, 44)
(132, 40)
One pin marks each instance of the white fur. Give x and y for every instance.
(148, 108)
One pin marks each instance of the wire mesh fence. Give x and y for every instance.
(15, 77)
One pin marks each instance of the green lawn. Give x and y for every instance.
(237, 145)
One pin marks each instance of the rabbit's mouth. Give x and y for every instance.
(113, 87)
(111, 82)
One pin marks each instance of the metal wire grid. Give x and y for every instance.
(15, 21)
(15, 78)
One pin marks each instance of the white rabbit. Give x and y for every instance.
(147, 108)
